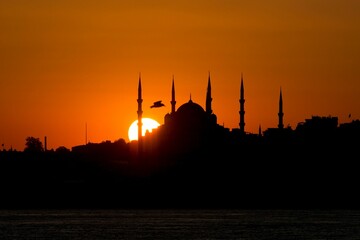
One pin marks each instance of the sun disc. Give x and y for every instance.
(148, 125)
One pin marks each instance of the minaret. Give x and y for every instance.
(173, 102)
(208, 97)
(139, 112)
(260, 132)
(280, 114)
(242, 110)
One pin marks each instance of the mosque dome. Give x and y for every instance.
(190, 108)
(190, 114)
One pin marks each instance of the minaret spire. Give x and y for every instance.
(139, 112)
(173, 102)
(242, 109)
(260, 133)
(280, 114)
(208, 97)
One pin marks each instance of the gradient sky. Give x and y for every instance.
(68, 63)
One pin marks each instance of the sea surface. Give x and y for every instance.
(179, 224)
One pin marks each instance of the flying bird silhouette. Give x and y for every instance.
(157, 104)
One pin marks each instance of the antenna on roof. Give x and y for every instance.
(85, 133)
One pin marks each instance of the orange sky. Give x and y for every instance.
(64, 64)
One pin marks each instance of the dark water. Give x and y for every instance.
(180, 224)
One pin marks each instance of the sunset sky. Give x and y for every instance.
(66, 64)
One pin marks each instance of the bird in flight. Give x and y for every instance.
(157, 104)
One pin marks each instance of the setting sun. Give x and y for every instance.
(148, 124)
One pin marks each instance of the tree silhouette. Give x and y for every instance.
(33, 145)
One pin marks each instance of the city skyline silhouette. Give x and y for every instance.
(192, 161)
(208, 105)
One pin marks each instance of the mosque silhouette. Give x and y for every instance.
(191, 127)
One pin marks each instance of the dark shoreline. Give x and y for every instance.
(322, 177)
